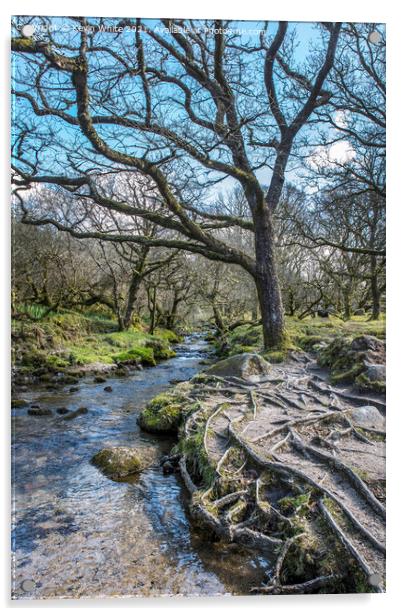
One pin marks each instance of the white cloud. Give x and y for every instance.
(340, 152)
(341, 118)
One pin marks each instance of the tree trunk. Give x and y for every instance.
(291, 304)
(347, 313)
(171, 318)
(131, 298)
(267, 282)
(152, 309)
(375, 292)
(220, 325)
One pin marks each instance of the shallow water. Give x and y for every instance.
(78, 534)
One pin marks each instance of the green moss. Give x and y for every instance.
(70, 338)
(308, 342)
(118, 462)
(18, 403)
(35, 359)
(57, 361)
(366, 384)
(141, 354)
(233, 461)
(371, 435)
(164, 413)
(275, 357)
(355, 580)
(26, 44)
(290, 504)
(247, 336)
(129, 345)
(203, 379)
(346, 376)
(347, 363)
(160, 348)
(240, 348)
(168, 335)
(197, 460)
(303, 334)
(360, 581)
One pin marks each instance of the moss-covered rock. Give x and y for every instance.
(275, 357)
(120, 462)
(139, 354)
(312, 342)
(168, 335)
(65, 340)
(244, 365)
(359, 360)
(373, 378)
(18, 403)
(163, 414)
(38, 411)
(82, 410)
(160, 348)
(308, 334)
(197, 460)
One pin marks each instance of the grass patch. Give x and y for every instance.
(68, 338)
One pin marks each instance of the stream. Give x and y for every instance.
(77, 534)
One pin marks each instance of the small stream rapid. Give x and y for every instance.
(78, 534)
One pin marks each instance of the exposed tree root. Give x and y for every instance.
(276, 450)
(356, 399)
(302, 588)
(339, 465)
(349, 545)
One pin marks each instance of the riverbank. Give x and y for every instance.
(66, 346)
(277, 459)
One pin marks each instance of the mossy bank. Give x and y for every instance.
(346, 348)
(73, 344)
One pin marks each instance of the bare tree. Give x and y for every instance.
(174, 103)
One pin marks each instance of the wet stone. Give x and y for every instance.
(119, 462)
(80, 411)
(18, 402)
(167, 468)
(37, 411)
(62, 410)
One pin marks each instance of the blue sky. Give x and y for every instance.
(62, 30)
